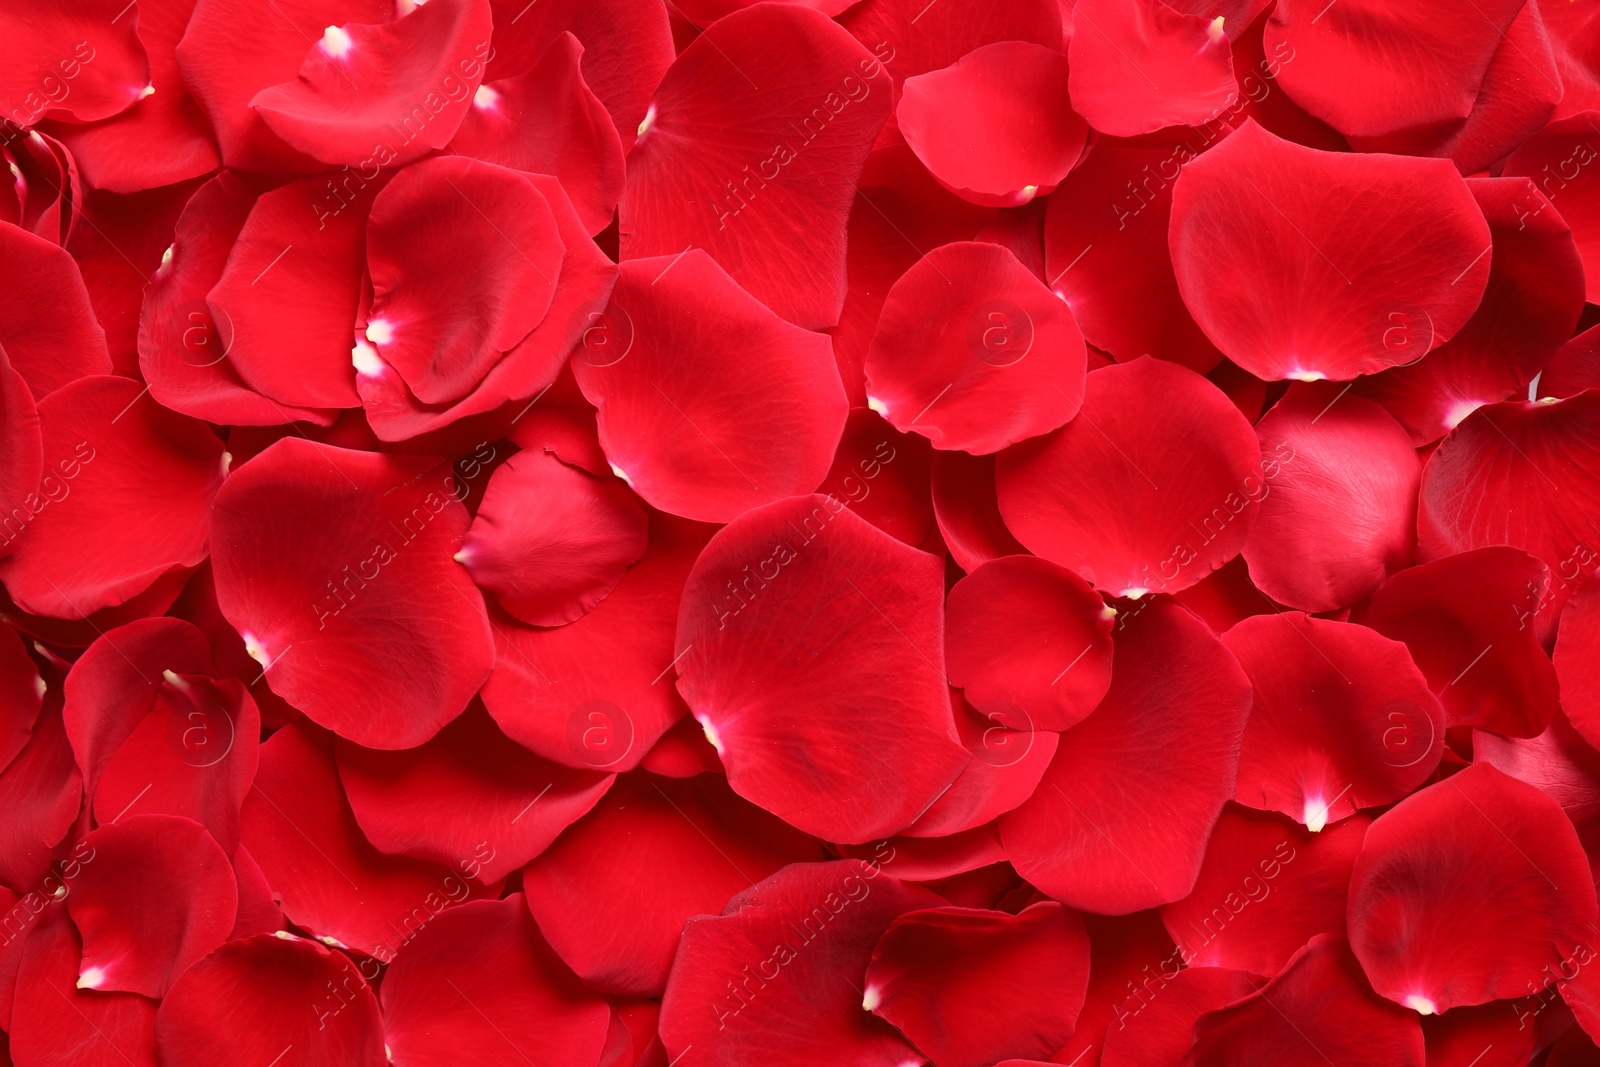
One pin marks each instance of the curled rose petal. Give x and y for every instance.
(802, 603)
(994, 127)
(1153, 486)
(1473, 889)
(1306, 264)
(1341, 718)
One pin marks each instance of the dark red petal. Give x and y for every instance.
(803, 604)
(964, 502)
(335, 568)
(387, 93)
(1267, 886)
(1121, 819)
(549, 121)
(1520, 89)
(516, 382)
(1106, 255)
(968, 987)
(163, 138)
(1317, 1011)
(1425, 943)
(1521, 474)
(258, 909)
(331, 881)
(159, 895)
(613, 893)
(1529, 309)
(774, 980)
(627, 47)
(1341, 718)
(302, 247)
(40, 792)
(899, 504)
(1577, 660)
(258, 998)
(80, 61)
(49, 334)
(1557, 158)
(464, 258)
(995, 126)
(1152, 487)
(1558, 761)
(22, 690)
(1341, 515)
(771, 163)
(232, 49)
(193, 755)
(1160, 1030)
(1024, 632)
(470, 798)
(1575, 367)
(1368, 68)
(1483, 661)
(551, 541)
(1129, 956)
(183, 349)
(1306, 264)
(597, 693)
(56, 1024)
(768, 430)
(999, 361)
(480, 984)
(126, 500)
(1139, 66)
(1009, 757)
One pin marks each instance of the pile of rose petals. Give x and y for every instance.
(697, 533)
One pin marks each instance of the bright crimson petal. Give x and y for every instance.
(968, 511)
(80, 61)
(49, 332)
(1473, 889)
(1306, 264)
(1577, 659)
(803, 604)
(1558, 761)
(1139, 66)
(1162, 1030)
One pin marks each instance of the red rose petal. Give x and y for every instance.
(1558, 761)
(1121, 818)
(968, 986)
(1306, 264)
(772, 162)
(298, 826)
(995, 126)
(390, 92)
(1341, 718)
(480, 984)
(470, 798)
(1520, 474)
(1469, 623)
(549, 121)
(1425, 942)
(550, 541)
(1574, 368)
(1342, 514)
(1529, 309)
(597, 693)
(1317, 1011)
(968, 512)
(136, 483)
(159, 895)
(56, 1024)
(850, 626)
(1106, 255)
(774, 979)
(1267, 886)
(1369, 68)
(1186, 472)
(996, 364)
(22, 690)
(80, 61)
(1128, 955)
(449, 297)
(367, 625)
(1024, 632)
(258, 998)
(1558, 160)
(931, 859)
(40, 792)
(1162, 1030)
(50, 334)
(1141, 66)
(883, 475)
(302, 247)
(768, 430)
(1492, 1034)
(1577, 665)
(258, 910)
(612, 894)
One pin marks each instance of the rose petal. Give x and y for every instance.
(1141, 66)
